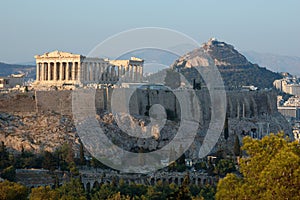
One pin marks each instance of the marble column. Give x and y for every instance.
(45, 71)
(135, 70)
(94, 71)
(67, 71)
(101, 71)
(128, 77)
(118, 75)
(55, 72)
(85, 69)
(37, 71)
(138, 78)
(112, 73)
(88, 69)
(131, 73)
(42, 72)
(82, 71)
(48, 71)
(61, 71)
(97, 72)
(82, 68)
(141, 73)
(73, 71)
(123, 71)
(78, 71)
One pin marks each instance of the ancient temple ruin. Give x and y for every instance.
(62, 68)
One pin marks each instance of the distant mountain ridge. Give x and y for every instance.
(276, 63)
(8, 69)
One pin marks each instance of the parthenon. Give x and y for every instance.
(62, 68)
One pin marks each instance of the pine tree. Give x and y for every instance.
(271, 171)
(237, 146)
(81, 152)
(226, 131)
(184, 192)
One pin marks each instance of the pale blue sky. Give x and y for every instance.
(33, 26)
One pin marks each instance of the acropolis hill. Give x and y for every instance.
(42, 119)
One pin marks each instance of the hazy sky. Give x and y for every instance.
(33, 26)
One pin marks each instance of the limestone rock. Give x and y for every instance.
(235, 69)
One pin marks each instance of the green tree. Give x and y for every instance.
(230, 188)
(105, 192)
(67, 152)
(118, 196)
(184, 192)
(4, 157)
(224, 166)
(153, 194)
(237, 146)
(226, 131)
(135, 190)
(9, 173)
(270, 171)
(43, 193)
(11, 191)
(200, 165)
(73, 169)
(65, 156)
(194, 189)
(49, 161)
(81, 153)
(97, 164)
(181, 159)
(208, 192)
(71, 190)
(28, 159)
(180, 162)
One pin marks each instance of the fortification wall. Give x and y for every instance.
(61, 101)
(239, 104)
(54, 101)
(248, 113)
(17, 102)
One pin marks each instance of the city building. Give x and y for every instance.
(296, 133)
(290, 112)
(289, 86)
(11, 81)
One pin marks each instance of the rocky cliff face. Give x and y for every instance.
(224, 54)
(248, 113)
(235, 69)
(36, 132)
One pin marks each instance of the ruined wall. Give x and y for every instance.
(252, 113)
(61, 101)
(251, 104)
(17, 102)
(248, 113)
(54, 101)
(239, 104)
